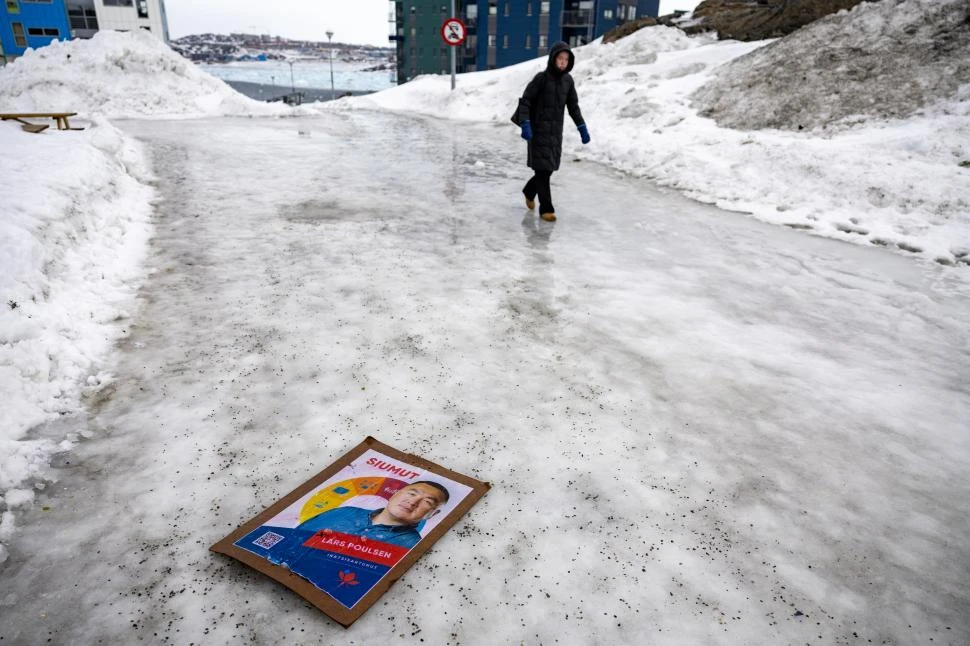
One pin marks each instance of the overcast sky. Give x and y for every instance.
(356, 21)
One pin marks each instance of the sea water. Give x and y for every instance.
(304, 74)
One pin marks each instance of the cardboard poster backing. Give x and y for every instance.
(322, 600)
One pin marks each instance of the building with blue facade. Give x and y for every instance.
(501, 32)
(32, 23)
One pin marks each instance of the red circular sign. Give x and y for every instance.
(453, 31)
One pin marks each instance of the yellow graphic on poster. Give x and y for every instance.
(334, 496)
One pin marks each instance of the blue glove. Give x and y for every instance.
(526, 130)
(583, 133)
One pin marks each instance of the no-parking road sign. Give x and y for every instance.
(453, 32)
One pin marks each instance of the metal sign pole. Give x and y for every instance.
(453, 55)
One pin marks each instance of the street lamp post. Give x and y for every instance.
(333, 92)
(292, 84)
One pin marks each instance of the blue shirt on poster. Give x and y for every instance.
(359, 522)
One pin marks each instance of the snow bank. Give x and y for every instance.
(74, 226)
(894, 183)
(116, 74)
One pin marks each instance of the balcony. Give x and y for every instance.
(580, 18)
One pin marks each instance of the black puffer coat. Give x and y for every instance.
(542, 104)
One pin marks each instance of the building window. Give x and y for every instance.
(83, 18)
(13, 6)
(608, 14)
(142, 8)
(43, 31)
(505, 41)
(528, 8)
(119, 3)
(543, 41)
(544, 7)
(471, 11)
(19, 39)
(528, 41)
(493, 8)
(508, 9)
(491, 40)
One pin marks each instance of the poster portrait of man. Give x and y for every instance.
(347, 533)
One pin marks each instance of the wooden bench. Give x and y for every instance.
(60, 118)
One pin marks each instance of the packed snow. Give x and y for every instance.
(76, 213)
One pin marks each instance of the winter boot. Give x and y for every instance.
(548, 217)
(530, 204)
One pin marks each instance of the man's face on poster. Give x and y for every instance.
(413, 503)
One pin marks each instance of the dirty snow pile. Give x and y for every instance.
(894, 172)
(877, 74)
(115, 74)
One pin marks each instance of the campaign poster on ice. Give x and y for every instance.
(346, 533)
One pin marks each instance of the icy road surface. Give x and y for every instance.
(699, 429)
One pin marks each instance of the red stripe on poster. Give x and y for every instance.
(362, 548)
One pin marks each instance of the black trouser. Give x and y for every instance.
(539, 185)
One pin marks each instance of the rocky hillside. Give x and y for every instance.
(744, 20)
(760, 19)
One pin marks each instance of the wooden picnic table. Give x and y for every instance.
(60, 118)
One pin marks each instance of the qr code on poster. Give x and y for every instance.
(268, 540)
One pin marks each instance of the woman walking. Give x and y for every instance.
(540, 114)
